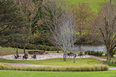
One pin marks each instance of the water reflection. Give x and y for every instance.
(101, 48)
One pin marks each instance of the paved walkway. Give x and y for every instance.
(112, 68)
(99, 58)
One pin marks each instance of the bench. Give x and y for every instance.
(25, 56)
(34, 56)
(16, 56)
(80, 54)
(71, 54)
(36, 52)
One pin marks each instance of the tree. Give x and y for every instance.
(11, 20)
(83, 14)
(33, 12)
(52, 11)
(106, 25)
(61, 25)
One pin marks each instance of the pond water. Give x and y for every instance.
(101, 48)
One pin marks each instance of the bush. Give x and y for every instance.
(78, 68)
(94, 53)
(30, 46)
(85, 52)
(89, 53)
(47, 48)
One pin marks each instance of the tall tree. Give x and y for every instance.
(106, 25)
(83, 14)
(33, 12)
(11, 20)
(52, 11)
(61, 25)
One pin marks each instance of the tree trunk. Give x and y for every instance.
(108, 56)
(14, 47)
(57, 49)
(74, 58)
(17, 50)
(80, 32)
(64, 56)
(112, 55)
(110, 1)
(24, 49)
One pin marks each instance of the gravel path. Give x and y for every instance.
(41, 57)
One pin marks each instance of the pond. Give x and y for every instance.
(101, 48)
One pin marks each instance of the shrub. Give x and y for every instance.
(85, 52)
(78, 68)
(95, 53)
(30, 46)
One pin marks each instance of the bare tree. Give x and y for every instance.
(52, 10)
(106, 25)
(61, 25)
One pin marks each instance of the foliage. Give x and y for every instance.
(11, 22)
(83, 14)
(95, 53)
(76, 69)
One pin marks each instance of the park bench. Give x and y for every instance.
(71, 54)
(25, 56)
(16, 56)
(36, 52)
(80, 54)
(34, 56)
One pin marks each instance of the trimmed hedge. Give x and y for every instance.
(76, 69)
(95, 53)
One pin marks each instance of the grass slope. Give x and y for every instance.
(94, 4)
(7, 73)
(56, 61)
(112, 59)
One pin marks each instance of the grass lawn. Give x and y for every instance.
(105, 57)
(10, 50)
(94, 4)
(10, 73)
(56, 61)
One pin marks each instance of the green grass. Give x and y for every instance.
(98, 67)
(10, 50)
(56, 61)
(105, 57)
(95, 5)
(10, 73)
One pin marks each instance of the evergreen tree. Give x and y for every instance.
(11, 23)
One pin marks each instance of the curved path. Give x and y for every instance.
(98, 58)
(31, 65)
